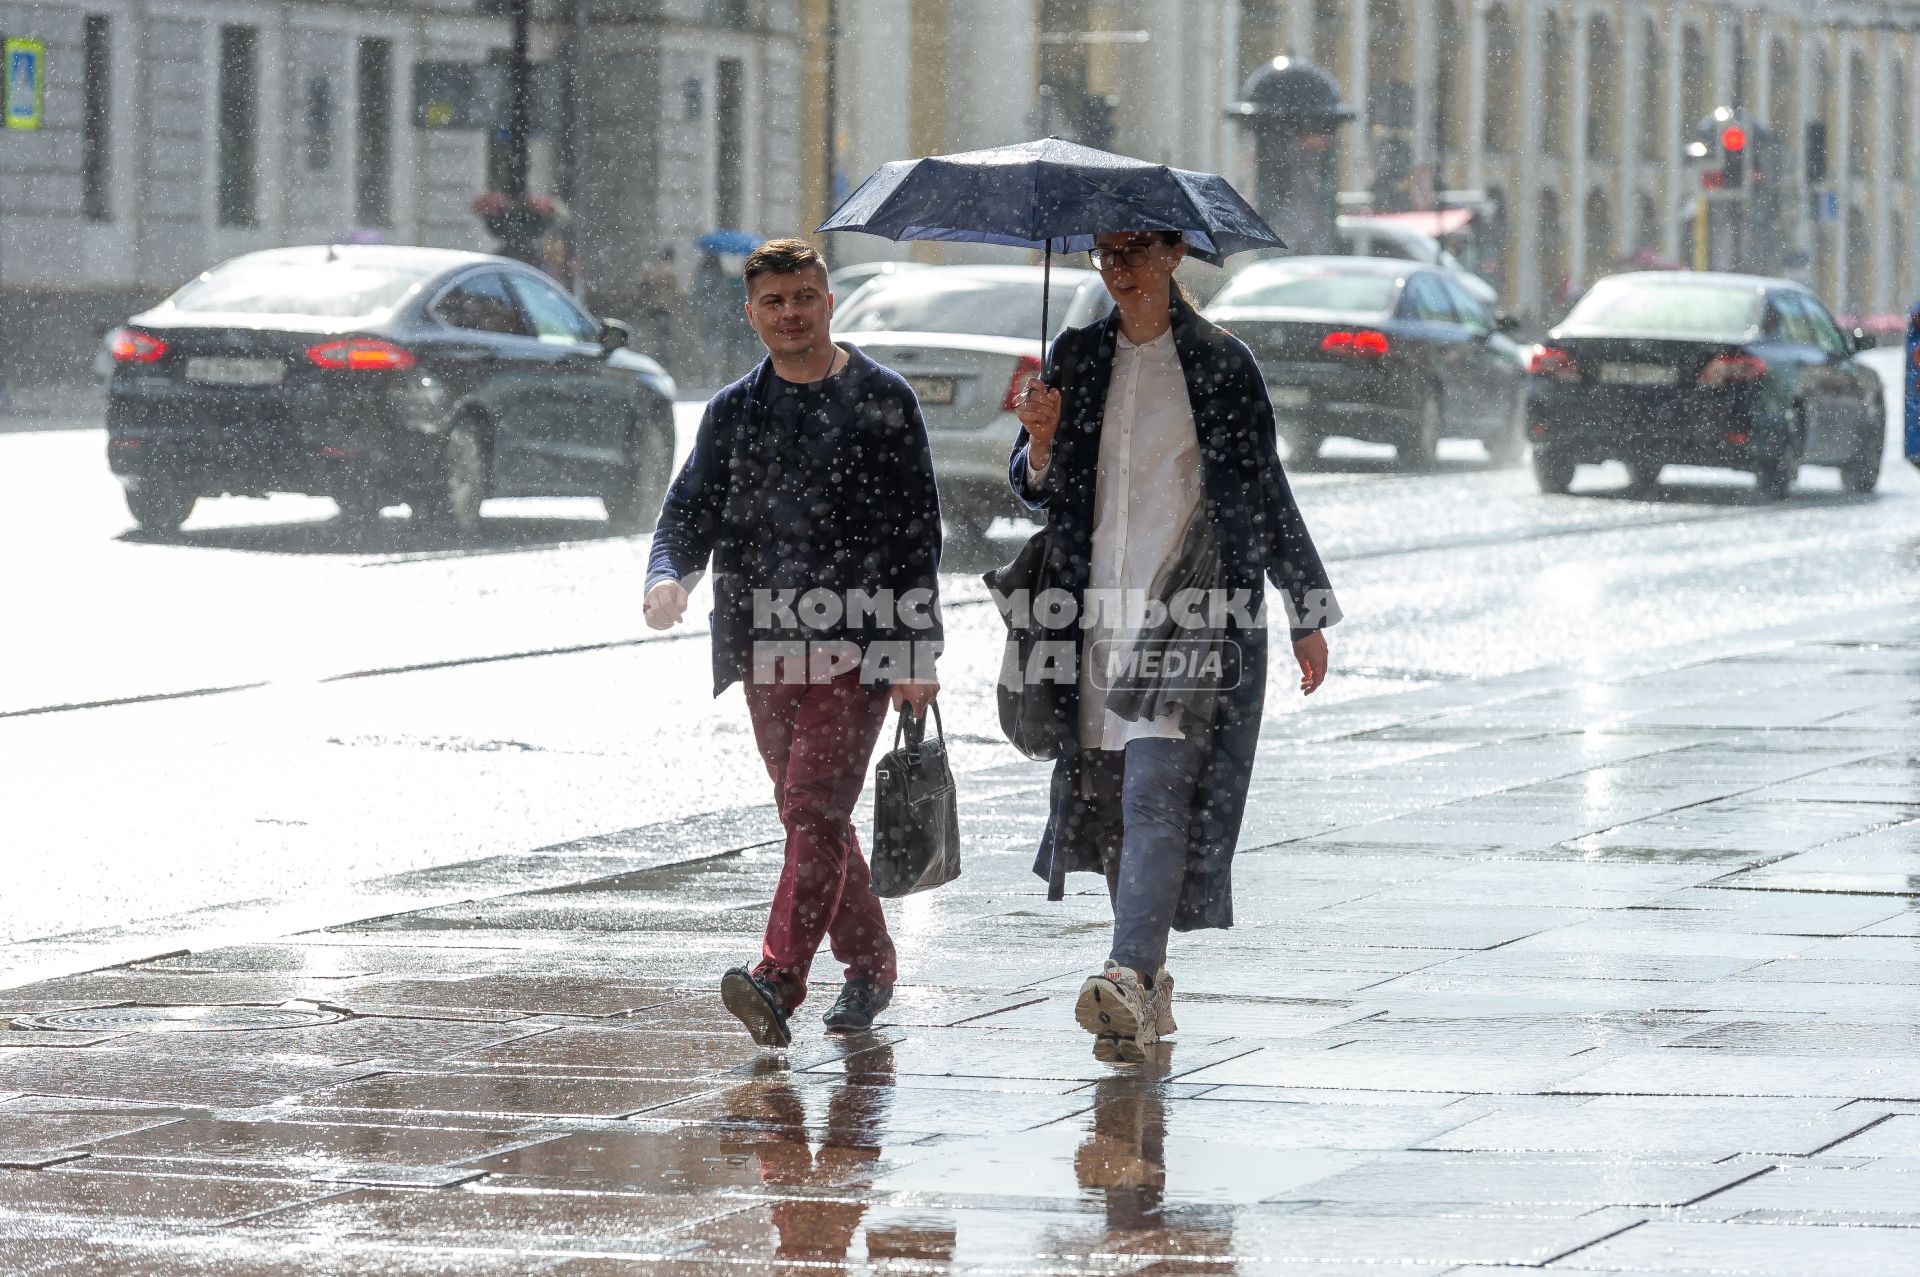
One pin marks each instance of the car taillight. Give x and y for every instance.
(131, 346)
(1733, 370)
(1553, 363)
(362, 354)
(1365, 344)
(1026, 366)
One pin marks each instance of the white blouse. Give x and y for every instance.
(1146, 489)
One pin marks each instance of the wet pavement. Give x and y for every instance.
(1601, 968)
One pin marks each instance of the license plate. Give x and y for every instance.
(223, 370)
(1289, 396)
(932, 390)
(1639, 374)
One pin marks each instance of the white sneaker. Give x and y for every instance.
(1112, 1004)
(1160, 1003)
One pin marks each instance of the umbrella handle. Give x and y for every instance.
(1046, 290)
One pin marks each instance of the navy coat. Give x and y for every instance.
(887, 507)
(1261, 537)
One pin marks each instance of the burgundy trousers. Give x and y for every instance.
(816, 740)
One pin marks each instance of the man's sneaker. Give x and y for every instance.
(1160, 1002)
(1113, 1004)
(755, 1002)
(861, 998)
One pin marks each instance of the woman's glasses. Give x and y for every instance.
(1132, 256)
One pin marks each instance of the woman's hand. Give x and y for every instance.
(1311, 652)
(1038, 408)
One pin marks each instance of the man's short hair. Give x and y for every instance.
(784, 257)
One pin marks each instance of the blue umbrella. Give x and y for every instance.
(1052, 195)
(732, 242)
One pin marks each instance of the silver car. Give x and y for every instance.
(965, 338)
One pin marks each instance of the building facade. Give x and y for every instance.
(1567, 119)
(181, 132)
(178, 133)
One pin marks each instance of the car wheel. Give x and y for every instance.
(159, 506)
(633, 500)
(455, 500)
(1422, 451)
(1507, 444)
(359, 509)
(1643, 477)
(1862, 473)
(1552, 472)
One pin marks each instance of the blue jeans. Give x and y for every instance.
(1146, 857)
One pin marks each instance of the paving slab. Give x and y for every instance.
(1764, 1250)
(1597, 970)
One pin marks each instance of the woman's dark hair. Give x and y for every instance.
(1170, 238)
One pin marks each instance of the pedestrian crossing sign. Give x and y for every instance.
(25, 90)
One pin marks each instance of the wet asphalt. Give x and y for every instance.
(1577, 915)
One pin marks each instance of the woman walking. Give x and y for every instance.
(1154, 464)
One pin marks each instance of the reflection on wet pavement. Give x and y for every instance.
(1605, 975)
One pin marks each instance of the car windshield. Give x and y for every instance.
(912, 302)
(1312, 290)
(329, 290)
(1717, 312)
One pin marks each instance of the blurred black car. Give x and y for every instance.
(1386, 351)
(378, 375)
(1673, 367)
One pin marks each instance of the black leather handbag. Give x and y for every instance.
(916, 813)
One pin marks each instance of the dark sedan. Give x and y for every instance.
(1678, 368)
(378, 375)
(1377, 350)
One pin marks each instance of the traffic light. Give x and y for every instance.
(1733, 157)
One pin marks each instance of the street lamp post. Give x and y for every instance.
(521, 230)
(831, 145)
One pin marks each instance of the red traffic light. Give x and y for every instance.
(1733, 139)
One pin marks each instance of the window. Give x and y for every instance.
(1826, 333)
(96, 132)
(1794, 326)
(1427, 301)
(1557, 78)
(299, 283)
(482, 303)
(1503, 77)
(727, 152)
(556, 320)
(1603, 89)
(239, 96)
(1308, 289)
(1685, 311)
(318, 122)
(954, 303)
(1653, 108)
(1468, 307)
(373, 122)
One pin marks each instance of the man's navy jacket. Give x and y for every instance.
(878, 495)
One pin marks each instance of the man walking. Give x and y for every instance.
(810, 487)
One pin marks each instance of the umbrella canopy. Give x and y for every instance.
(728, 241)
(1053, 195)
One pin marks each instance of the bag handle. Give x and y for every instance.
(913, 728)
